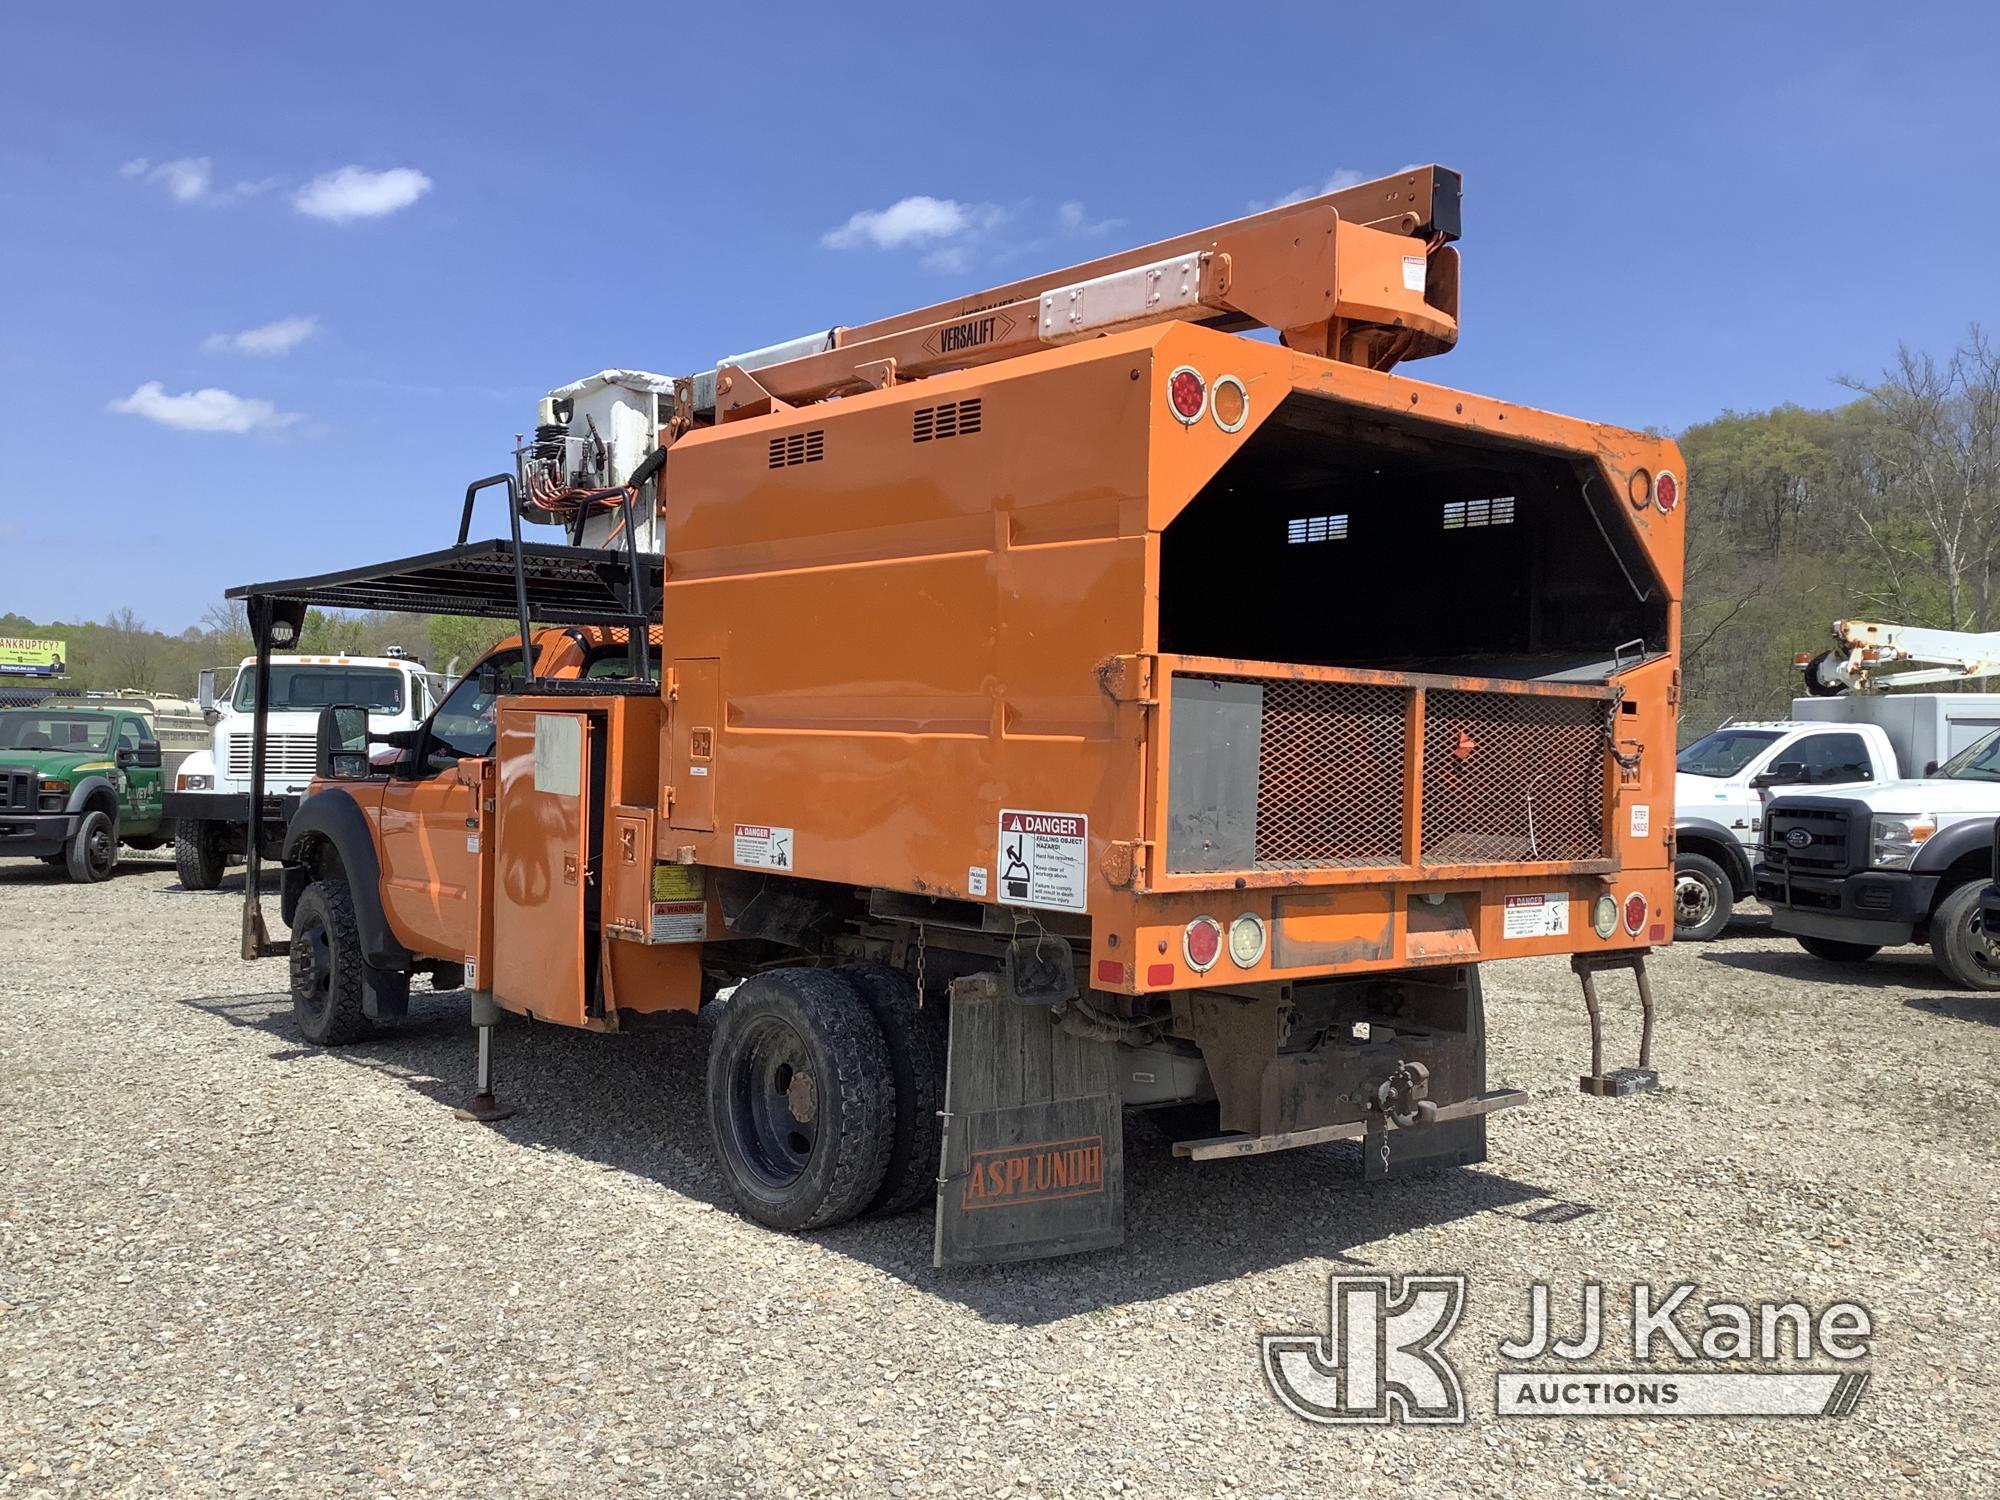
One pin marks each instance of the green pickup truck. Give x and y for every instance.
(77, 783)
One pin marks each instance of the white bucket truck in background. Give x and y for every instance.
(210, 795)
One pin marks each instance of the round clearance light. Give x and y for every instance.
(1230, 404)
(1246, 941)
(1604, 915)
(1201, 944)
(1635, 913)
(1666, 491)
(1187, 394)
(1639, 488)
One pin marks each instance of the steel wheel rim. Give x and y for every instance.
(315, 967)
(100, 851)
(1694, 902)
(1985, 952)
(774, 1103)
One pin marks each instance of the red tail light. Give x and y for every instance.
(1187, 393)
(1635, 913)
(1201, 944)
(1666, 491)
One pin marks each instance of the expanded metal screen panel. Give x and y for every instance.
(1512, 778)
(1330, 781)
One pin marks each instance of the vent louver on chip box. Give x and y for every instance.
(947, 420)
(798, 448)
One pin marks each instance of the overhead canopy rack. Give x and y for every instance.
(565, 585)
(512, 580)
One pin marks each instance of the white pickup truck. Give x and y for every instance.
(1728, 778)
(209, 798)
(1871, 867)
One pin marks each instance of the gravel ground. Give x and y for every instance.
(233, 1265)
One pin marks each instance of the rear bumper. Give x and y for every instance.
(1884, 907)
(26, 835)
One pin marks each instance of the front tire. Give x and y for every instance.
(328, 973)
(198, 854)
(1703, 898)
(1962, 951)
(1835, 952)
(801, 1099)
(93, 849)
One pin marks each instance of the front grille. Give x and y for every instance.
(1823, 835)
(17, 790)
(1510, 777)
(1506, 778)
(285, 755)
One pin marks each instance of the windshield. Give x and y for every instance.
(377, 689)
(25, 729)
(1725, 752)
(1979, 761)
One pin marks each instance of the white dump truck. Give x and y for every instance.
(209, 797)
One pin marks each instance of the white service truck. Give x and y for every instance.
(209, 799)
(1883, 865)
(1726, 780)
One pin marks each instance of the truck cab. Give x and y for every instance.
(75, 784)
(1721, 785)
(209, 800)
(413, 813)
(1890, 864)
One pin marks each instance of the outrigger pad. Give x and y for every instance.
(1033, 1156)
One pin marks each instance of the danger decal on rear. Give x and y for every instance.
(1043, 857)
(1536, 916)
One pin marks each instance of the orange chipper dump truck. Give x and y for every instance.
(1064, 704)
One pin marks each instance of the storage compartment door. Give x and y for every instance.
(694, 723)
(541, 864)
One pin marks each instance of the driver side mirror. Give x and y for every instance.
(340, 751)
(145, 757)
(1784, 773)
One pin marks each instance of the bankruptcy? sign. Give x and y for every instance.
(23, 656)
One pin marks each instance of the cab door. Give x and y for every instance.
(432, 821)
(139, 796)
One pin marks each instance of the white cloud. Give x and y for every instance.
(280, 337)
(206, 410)
(185, 178)
(357, 193)
(909, 221)
(191, 179)
(1344, 178)
(1074, 220)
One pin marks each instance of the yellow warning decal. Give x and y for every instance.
(677, 883)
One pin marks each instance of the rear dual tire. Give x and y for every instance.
(801, 1098)
(1703, 899)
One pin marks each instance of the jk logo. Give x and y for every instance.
(1379, 1359)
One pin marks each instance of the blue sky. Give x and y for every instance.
(382, 231)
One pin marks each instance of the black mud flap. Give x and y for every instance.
(1033, 1157)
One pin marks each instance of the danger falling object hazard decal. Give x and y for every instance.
(1043, 858)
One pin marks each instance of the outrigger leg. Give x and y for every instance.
(484, 1107)
(1619, 1081)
